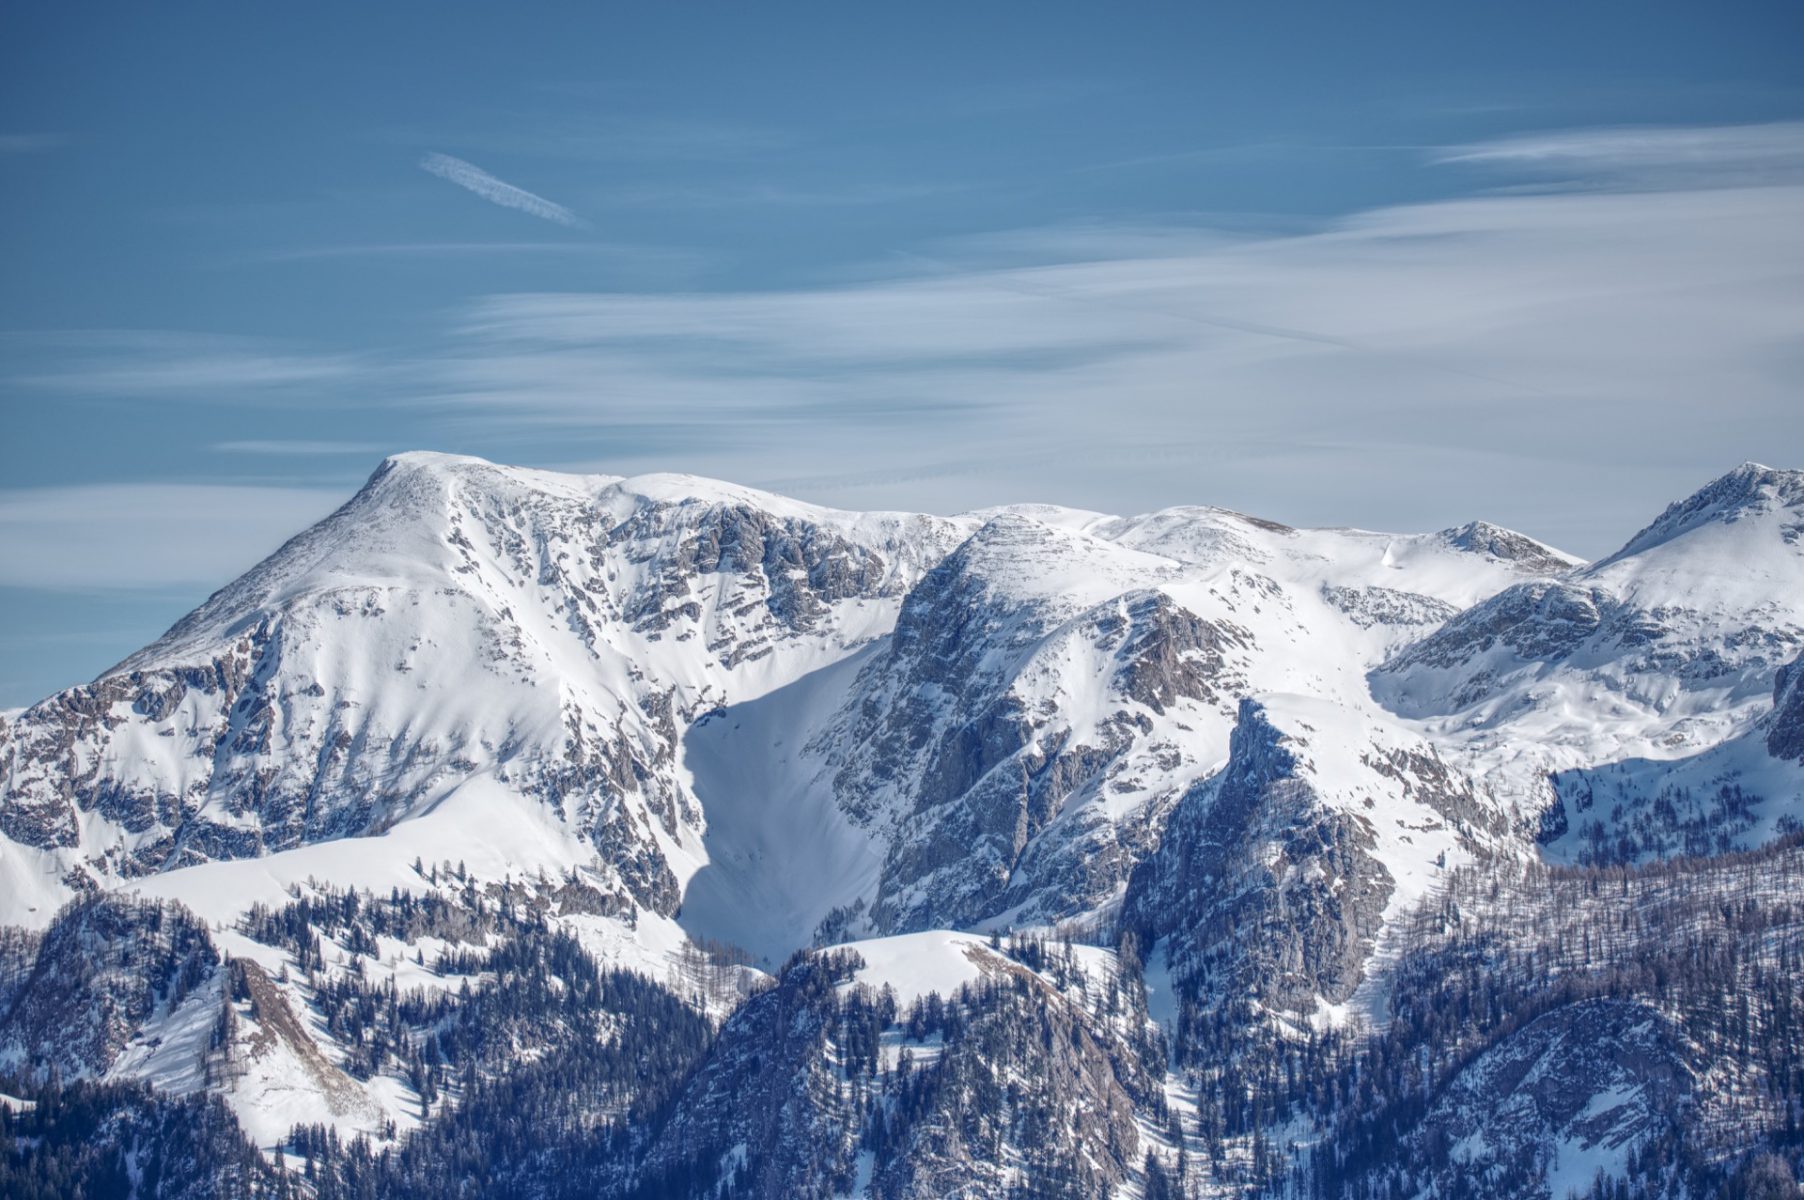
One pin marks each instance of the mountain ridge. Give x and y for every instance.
(701, 734)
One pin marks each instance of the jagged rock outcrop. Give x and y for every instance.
(1785, 736)
(1257, 886)
(1482, 537)
(957, 744)
(822, 1087)
(1544, 620)
(1369, 606)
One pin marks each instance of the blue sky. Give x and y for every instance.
(1395, 265)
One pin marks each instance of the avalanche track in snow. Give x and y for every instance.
(781, 855)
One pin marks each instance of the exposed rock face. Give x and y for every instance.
(1011, 1081)
(1547, 621)
(1534, 626)
(1257, 886)
(789, 569)
(56, 772)
(1785, 736)
(1482, 537)
(454, 621)
(958, 743)
(104, 968)
(1369, 606)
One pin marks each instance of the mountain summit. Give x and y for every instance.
(493, 760)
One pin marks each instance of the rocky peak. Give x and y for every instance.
(1749, 490)
(1482, 537)
(1257, 884)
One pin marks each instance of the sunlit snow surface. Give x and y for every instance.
(442, 636)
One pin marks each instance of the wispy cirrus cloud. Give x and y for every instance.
(170, 363)
(498, 191)
(1689, 155)
(1444, 349)
(1404, 366)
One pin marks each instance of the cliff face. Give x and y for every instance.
(824, 1085)
(957, 748)
(1258, 885)
(1785, 736)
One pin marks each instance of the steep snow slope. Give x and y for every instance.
(1055, 684)
(1655, 664)
(781, 855)
(462, 636)
(454, 622)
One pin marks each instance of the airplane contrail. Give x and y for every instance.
(498, 191)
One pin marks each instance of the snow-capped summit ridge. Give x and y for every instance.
(477, 623)
(1749, 490)
(1482, 537)
(448, 470)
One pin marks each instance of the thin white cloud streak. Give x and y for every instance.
(159, 363)
(147, 535)
(1692, 155)
(496, 191)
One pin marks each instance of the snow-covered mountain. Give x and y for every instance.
(1626, 697)
(487, 740)
(455, 626)
(459, 627)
